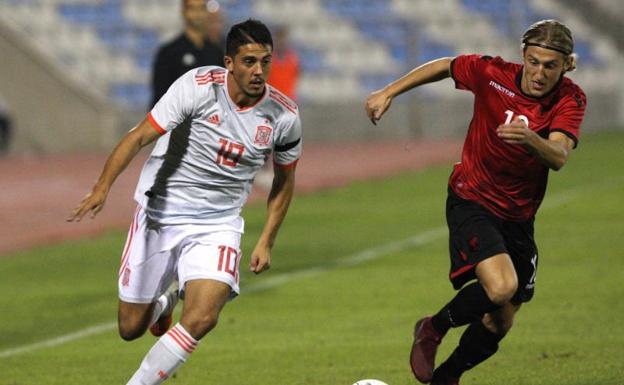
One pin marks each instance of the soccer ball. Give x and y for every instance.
(370, 382)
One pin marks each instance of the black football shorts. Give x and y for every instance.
(476, 234)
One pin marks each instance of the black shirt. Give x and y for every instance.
(176, 58)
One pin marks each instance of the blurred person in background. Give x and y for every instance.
(185, 239)
(526, 121)
(286, 71)
(6, 127)
(285, 77)
(215, 24)
(200, 44)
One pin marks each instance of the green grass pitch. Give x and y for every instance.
(328, 314)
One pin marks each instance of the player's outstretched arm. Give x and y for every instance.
(279, 199)
(379, 101)
(117, 161)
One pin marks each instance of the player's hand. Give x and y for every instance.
(377, 104)
(260, 259)
(93, 202)
(516, 132)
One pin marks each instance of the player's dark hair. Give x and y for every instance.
(551, 34)
(250, 31)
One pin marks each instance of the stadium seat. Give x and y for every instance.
(345, 45)
(136, 95)
(310, 60)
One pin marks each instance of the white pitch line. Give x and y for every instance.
(351, 260)
(269, 282)
(366, 255)
(97, 329)
(566, 196)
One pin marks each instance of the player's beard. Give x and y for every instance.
(253, 92)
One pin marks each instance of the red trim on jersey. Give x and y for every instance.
(210, 74)
(155, 124)
(286, 166)
(283, 100)
(133, 227)
(214, 76)
(462, 270)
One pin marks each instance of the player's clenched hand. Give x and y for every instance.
(377, 104)
(260, 259)
(516, 132)
(92, 202)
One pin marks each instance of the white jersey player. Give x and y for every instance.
(215, 129)
(203, 175)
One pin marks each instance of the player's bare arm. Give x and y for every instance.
(379, 101)
(118, 160)
(277, 207)
(552, 152)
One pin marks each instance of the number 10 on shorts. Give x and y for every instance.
(229, 258)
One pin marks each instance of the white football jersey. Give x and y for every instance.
(202, 169)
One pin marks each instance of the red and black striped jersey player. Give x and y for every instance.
(526, 121)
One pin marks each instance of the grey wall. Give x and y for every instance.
(410, 116)
(51, 113)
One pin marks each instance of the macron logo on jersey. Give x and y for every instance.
(502, 89)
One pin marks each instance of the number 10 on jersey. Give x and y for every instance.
(230, 153)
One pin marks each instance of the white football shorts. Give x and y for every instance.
(154, 257)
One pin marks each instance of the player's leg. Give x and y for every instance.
(135, 318)
(145, 280)
(477, 247)
(480, 340)
(208, 272)
(477, 250)
(498, 277)
(203, 301)
(497, 283)
(478, 343)
(162, 314)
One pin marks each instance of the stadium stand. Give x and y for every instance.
(347, 46)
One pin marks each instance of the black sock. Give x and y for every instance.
(476, 345)
(469, 305)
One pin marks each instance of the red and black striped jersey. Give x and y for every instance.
(506, 178)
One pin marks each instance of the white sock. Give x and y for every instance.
(169, 352)
(159, 307)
